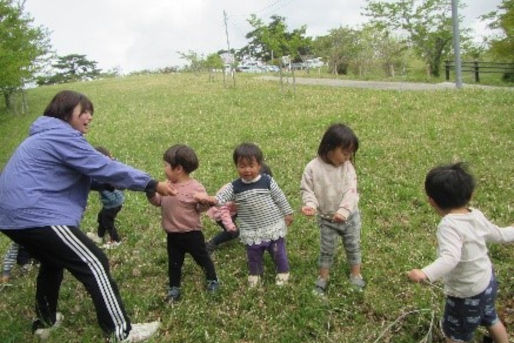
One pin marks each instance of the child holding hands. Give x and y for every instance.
(225, 216)
(181, 219)
(329, 189)
(263, 213)
(463, 262)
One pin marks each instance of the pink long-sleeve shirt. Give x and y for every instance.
(181, 212)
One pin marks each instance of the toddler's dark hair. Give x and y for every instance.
(103, 150)
(181, 155)
(450, 186)
(338, 135)
(247, 151)
(64, 102)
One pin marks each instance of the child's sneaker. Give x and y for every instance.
(173, 294)
(141, 332)
(111, 245)
(253, 280)
(27, 267)
(281, 279)
(212, 286)
(357, 281)
(94, 237)
(320, 287)
(44, 333)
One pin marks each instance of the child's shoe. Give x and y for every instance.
(173, 294)
(141, 332)
(357, 281)
(44, 333)
(27, 267)
(111, 245)
(281, 279)
(253, 280)
(212, 286)
(320, 287)
(94, 237)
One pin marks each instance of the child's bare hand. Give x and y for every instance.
(416, 275)
(308, 211)
(165, 188)
(288, 219)
(338, 218)
(204, 198)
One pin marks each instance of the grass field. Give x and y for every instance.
(402, 134)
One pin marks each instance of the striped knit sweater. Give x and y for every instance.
(261, 208)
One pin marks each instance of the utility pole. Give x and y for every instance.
(456, 44)
(226, 29)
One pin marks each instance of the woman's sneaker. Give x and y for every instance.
(141, 332)
(44, 333)
(173, 294)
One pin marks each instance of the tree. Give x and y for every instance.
(195, 61)
(503, 20)
(21, 44)
(339, 48)
(69, 68)
(213, 61)
(267, 42)
(427, 23)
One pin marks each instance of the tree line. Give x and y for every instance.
(395, 33)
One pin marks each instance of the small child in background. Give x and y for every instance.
(16, 254)
(329, 189)
(181, 219)
(263, 213)
(112, 202)
(225, 216)
(463, 262)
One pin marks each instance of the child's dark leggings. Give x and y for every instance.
(106, 219)
(193, 243)
(224, 236)
(65, 247)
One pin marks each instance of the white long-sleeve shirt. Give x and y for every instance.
(330, 189)
(463, 260)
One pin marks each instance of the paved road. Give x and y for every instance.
(379, 84)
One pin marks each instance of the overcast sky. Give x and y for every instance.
(135, 35)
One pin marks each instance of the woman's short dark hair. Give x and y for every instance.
(450, 186)
(181, 155)
(338, 135)
(247, 151)
(64, 102)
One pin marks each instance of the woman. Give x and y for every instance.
(43, 194)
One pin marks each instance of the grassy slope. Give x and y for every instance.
(402, 135)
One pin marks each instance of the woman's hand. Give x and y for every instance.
(165, 188)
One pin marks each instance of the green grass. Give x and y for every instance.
(402, 135)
